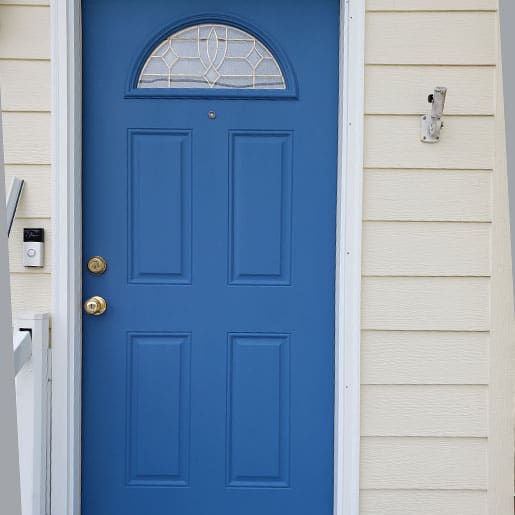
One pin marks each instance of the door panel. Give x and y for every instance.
(260, 207)
(258, 411)
(208, 384)
(159, 192)
(158, 439)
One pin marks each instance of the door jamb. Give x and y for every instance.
(348, 257)
(67, 258)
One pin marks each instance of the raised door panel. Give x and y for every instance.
(158, 409)
(260, 207)
(160, 206)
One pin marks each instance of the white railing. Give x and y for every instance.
(9, 464)
(13, 198)
(32, 368)
(32, 377)
(22, 346)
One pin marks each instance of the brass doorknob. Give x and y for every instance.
(95, 306)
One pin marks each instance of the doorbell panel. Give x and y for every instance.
(33, 247)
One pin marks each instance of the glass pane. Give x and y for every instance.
(156, 66)
(211, 56)
(154, 81)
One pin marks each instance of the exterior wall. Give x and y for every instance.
(25, 86)
(437, 310)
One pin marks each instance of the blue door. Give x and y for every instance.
(209, 189)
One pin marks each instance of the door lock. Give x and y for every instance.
(95, 306)
(97, 265)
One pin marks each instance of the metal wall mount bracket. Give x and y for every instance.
(432, 124)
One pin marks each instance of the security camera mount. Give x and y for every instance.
(432, 123)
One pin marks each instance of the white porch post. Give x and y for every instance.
(9, 461)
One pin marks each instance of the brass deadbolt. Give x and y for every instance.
(95, 306)
(97, 265)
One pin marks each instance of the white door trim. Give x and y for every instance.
(348, 257)
(67, 258)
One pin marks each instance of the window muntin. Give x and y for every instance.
(212, 56)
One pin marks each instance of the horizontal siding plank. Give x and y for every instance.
(433, 5)
(426, 248)
(427, 195)
(431, 38)
(24, 32)
(30, 292)
(419, 502)
(35, 201)
(417, 357)
(424, 463)
(25, 85)
(421, 410)
(404, 89)
(394, 142)
(24, 2)
(16, 245)
(426, 303)
(27, 138)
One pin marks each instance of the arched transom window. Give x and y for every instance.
(211, 56)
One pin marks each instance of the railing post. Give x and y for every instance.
(38, 324)
(9, 464)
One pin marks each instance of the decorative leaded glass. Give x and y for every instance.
(211, 56)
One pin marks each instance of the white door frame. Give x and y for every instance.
(67, 258)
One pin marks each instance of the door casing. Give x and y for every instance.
(67, 257)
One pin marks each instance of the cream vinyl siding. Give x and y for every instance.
(394, 142)
(424, 502)
(426, 249)
(443, 5)
(431, 37)
(428, 195)
(25, 85)
(413, 463)
(425, 358)
(432, 272)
